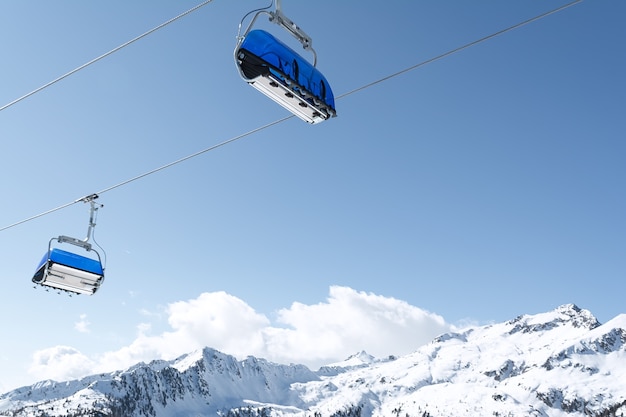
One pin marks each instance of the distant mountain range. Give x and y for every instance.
(558, 363)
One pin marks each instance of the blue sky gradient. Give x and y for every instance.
(478, 187)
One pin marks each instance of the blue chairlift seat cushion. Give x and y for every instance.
(284, 61)
(72, 260)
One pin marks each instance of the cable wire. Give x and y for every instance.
(36, 216)
(258, 129)
(112, 51)
(153, 171)
(460, 48)
(193, 155)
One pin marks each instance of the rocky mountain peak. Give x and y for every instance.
(563, 316)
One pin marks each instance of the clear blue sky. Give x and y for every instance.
(476, 188)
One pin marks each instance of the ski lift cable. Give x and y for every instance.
(193, 155)
(112, 51)
(153, 171)
(276, 122)
(36, 216)
(460, 48)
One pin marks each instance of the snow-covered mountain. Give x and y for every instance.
(559, 363)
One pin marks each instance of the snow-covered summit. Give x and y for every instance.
(568, 315)
(359, 359)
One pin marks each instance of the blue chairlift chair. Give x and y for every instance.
(68, 271)
(277, 71)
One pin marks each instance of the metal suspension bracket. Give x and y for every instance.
(93, 214)
(72, 240)
(279, 18)
(84, 243)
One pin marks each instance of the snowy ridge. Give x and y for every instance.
(559, 363)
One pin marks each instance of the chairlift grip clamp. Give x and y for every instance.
(88, 198)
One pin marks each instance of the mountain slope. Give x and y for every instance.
(559, 363)
(203, 382)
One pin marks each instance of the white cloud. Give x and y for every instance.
(347, 322)
(82, 325)
(350, 321)
(60, 363)
(218, 320)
